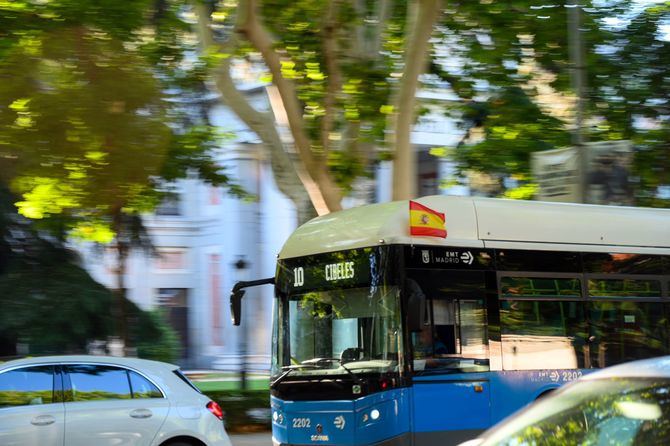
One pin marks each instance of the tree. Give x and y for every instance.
(43, 290)
(89, 128)
(515, 56)
(335, 66)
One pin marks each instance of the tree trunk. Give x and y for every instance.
(297, 185)
(121, 317)
(249, 26)
(416, 52)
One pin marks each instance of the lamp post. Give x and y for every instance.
(578, 80)
(241, 265)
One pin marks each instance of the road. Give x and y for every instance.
(258, 439)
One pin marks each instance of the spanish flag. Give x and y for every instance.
(425, 221)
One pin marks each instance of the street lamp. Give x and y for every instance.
(241, 265)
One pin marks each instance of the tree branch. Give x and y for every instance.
(334, 75)
(250, 27)
(298, 188)
(416, 51)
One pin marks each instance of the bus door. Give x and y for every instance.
(450, 359)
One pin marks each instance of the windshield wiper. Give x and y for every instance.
(316, 363)
(289, 369)
(339, 361)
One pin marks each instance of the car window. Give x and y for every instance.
(142, 387)
(184, 378)
(98, 382)
(26, 386)
(622, 412)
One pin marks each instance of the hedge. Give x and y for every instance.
(245, 410)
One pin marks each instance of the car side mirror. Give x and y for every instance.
(236, 305)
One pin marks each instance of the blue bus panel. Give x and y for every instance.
(368, 420)
(447, 409)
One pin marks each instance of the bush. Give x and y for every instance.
(246, 410)
(55, 307)
(155, 339)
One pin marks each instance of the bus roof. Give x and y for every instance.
(490, 223)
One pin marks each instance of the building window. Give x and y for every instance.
(170, 205)
(215, 292)
(170, 259)
(174, 303)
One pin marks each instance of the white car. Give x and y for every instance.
(104, 401)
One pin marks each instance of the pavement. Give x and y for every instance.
(255, 439)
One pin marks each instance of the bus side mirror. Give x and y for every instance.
(416, 310)
(236, 305)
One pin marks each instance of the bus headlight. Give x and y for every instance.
(373, 415)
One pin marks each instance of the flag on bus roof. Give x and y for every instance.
(426, 221)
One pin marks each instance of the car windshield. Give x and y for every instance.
(340, 331)
(622, 412)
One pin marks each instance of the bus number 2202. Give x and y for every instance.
(301, 422)
(298, 276)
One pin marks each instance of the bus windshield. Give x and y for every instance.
(339, 332)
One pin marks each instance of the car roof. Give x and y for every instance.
(644, 368)
(143, 364)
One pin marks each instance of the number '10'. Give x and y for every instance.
(298, 276)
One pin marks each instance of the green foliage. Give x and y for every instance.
(54, 306)
(240, 407)
(89, 126)
(508, 138)
(509, 54)
(155, 338)
(343, 79)
(43, 293)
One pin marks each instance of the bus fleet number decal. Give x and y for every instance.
(570, 375)
(301, 423)
(556, 375)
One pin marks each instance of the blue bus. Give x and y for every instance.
(384, 338)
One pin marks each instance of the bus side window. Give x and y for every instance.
(444, 318)
(447, 335)
(473, 336)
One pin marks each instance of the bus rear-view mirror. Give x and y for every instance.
(236, 306)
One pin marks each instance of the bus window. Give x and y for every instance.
(353, 327)
(624, 288)
(455, 338)
(624, 331)
(542, 334)
(456, 341)
(621, 263)
(540, 287)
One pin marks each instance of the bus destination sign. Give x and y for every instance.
(341, 270)
(338, 271)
